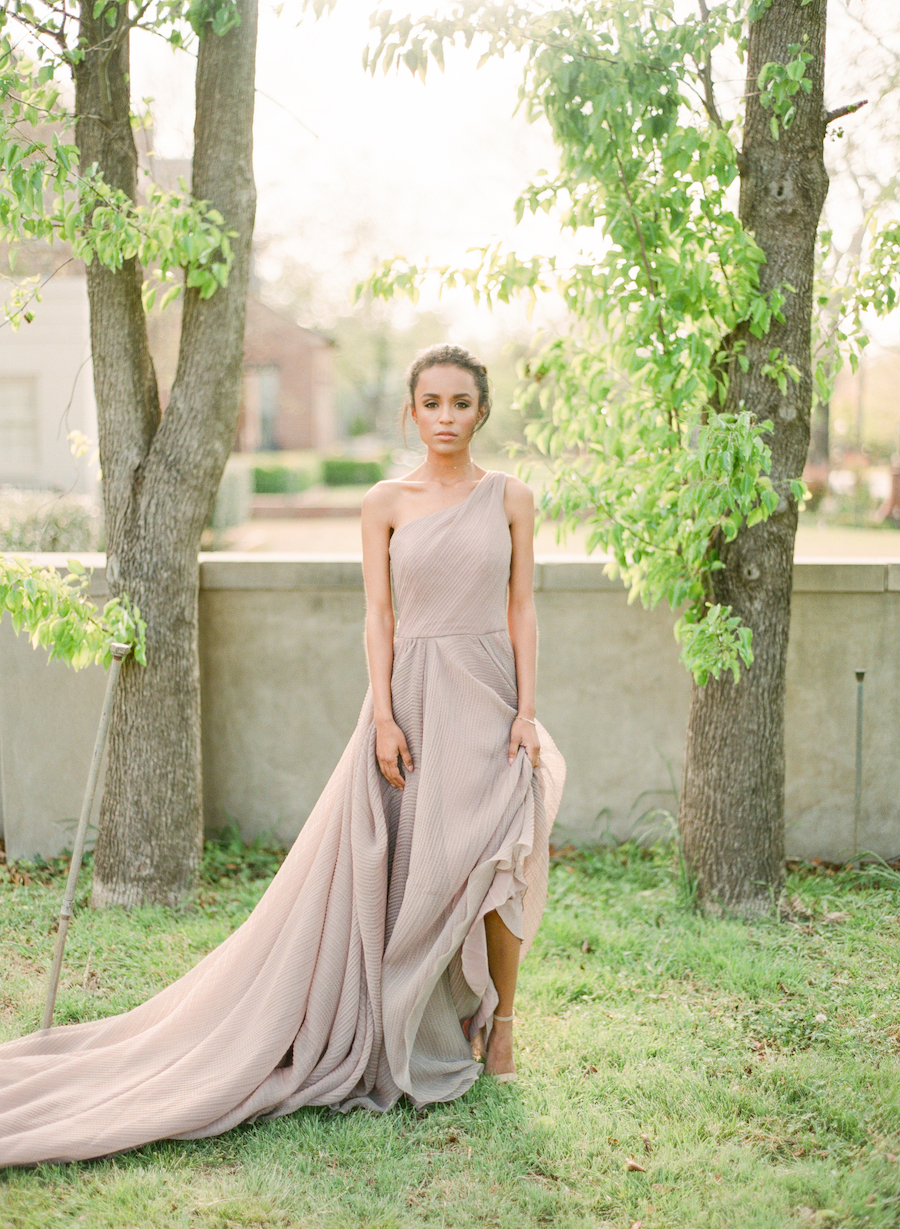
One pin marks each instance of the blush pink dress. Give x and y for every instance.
(347, 984)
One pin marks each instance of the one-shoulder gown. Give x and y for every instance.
(347, 984)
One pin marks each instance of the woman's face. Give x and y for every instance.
(445, 408)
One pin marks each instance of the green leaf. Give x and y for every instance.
(55, 612)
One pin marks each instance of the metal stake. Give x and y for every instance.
(860, 676)
(119, 652)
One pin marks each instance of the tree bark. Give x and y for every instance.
(161, 472)
(732, 805)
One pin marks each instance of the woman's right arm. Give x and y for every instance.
(390, 743)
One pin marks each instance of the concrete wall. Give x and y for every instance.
(283, 678)
(48, 724)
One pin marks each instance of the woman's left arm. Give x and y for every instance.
(518, 504)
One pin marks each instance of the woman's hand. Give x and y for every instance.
(390, 746)
(524, 734)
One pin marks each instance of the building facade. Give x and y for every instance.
(47, 393)
(289, 395)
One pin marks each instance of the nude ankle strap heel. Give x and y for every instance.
(505, 1077)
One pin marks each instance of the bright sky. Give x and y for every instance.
(353, 168)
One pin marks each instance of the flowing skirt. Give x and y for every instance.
(346, 985)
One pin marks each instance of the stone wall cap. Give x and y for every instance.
(258, 570)
(224, 570)
(60, 559)
(840, 575)
(575, 573)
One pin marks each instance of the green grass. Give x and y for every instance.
(751, 1070)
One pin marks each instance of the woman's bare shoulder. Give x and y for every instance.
(380, 501)
(518, 496)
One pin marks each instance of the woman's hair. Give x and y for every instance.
(443, 355)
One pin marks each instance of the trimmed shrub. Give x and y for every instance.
(348, 471)
(280, 480)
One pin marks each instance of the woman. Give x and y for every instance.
(392, 932)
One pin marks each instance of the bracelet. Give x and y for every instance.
(530, 720)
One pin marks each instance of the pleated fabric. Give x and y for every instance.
(347, 984)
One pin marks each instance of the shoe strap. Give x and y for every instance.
(504, 1019)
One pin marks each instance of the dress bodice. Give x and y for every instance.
(450, 568)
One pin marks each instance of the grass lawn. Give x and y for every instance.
(751, 1072)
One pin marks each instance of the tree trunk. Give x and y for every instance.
(732, 806)
(161, 473)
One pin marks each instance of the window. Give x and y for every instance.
(268, 407)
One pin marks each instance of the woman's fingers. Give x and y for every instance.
(524, 734)
(391, 772)
(403, 752)
(390, 749)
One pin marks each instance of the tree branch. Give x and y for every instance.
(648, 269)
(847, 110)
(36, 28)
(517, 37)
(876, 38)
(705, 71)
(36, 294)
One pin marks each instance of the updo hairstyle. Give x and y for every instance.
(443, 355)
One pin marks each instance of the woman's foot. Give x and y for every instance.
(498, 1061)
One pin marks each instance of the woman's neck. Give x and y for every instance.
(449, 470)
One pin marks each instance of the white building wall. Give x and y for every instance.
(45, 372)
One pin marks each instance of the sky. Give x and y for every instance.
(353, 168)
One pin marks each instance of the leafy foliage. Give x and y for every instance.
(45, 196)
(56, 612)
(871, 285)
(628, 404)
(778, 83)
(226, 855)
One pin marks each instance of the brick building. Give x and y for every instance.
(288, 399)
